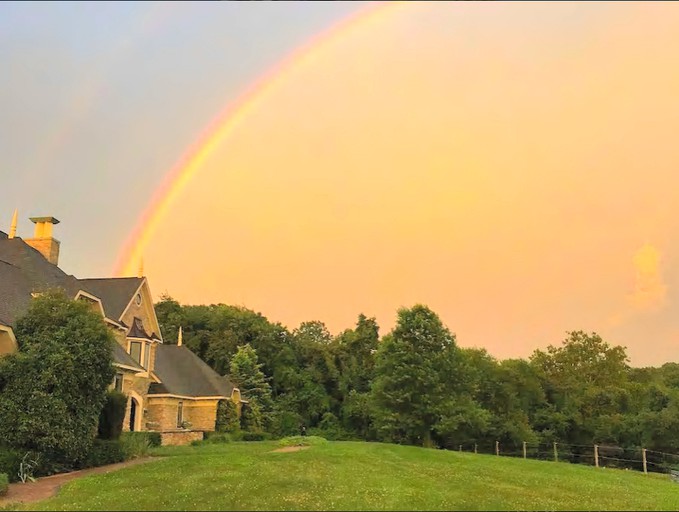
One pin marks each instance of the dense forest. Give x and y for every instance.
(415, 385)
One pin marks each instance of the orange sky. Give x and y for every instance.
(511, 165)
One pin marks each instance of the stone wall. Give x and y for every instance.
(180, 437)
(162, 413)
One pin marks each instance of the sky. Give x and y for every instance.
(511, 165)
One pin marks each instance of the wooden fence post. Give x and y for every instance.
(643, 457)
(556, 454)
(497, 447)
(460, 447)
(596, 455)
(524, 449)
(474, 447)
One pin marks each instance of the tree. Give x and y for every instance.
(415, 370)
(54, 388)
(246, 373)
(170, 318)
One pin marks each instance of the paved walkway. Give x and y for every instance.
(48, 486)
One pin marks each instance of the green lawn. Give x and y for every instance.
(359, 476)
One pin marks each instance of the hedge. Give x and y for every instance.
(105, 452)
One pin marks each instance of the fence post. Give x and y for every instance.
(596, 455)
(524, 449)
(460, 447)
(497, 447)
(643, 457)
(556, 454)
(474, 447)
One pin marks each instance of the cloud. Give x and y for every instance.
(650, 290)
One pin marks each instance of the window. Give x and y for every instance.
(147, 354)
(135, 351)
(137, 299)
(118, 382)
(180, 414)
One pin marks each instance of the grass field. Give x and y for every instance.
(359, 476)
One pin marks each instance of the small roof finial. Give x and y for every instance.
(13, 225)
(141, 268)
(179, 337)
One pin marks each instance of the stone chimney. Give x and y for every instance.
(43, 241)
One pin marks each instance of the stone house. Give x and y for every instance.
(170, 390)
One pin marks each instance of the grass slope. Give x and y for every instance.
(359, 476)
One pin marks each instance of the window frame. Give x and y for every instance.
(180, 413)
(147, 355)
(132, 343)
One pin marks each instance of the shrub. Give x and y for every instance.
(105, 452)
(153, 438)
(9, 462)
(256, 436)
(112, 415)
(216, 438)
(4, 484)
(135, 444)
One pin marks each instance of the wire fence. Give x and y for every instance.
(603, 456)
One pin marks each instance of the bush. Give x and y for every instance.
(112, 415)
(256, 436)
(105, 452)
(135, 444)
(4, 484)
(153, 438)
(9, 463)
(53, 389)
(216, 438)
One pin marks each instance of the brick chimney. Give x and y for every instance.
(42, 239)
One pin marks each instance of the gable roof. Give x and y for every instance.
(183, 373)
(115, 293)
(23, 271)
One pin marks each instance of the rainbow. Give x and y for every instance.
(224, 125)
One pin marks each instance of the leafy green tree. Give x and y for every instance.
(227, 417)
(415, 371)
(54, 388)
(170, 318)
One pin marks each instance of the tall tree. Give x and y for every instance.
(415, 370)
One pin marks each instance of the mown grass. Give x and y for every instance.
(358, 476)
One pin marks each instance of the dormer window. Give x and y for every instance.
(135, 351)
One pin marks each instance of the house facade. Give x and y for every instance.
(170, 390)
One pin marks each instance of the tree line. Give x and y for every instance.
(416, 385)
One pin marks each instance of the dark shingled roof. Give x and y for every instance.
(183, 373)
(122, 357)
(115, 293)
(23, 271)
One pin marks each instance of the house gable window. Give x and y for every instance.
(180, 414)
(135, 351)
